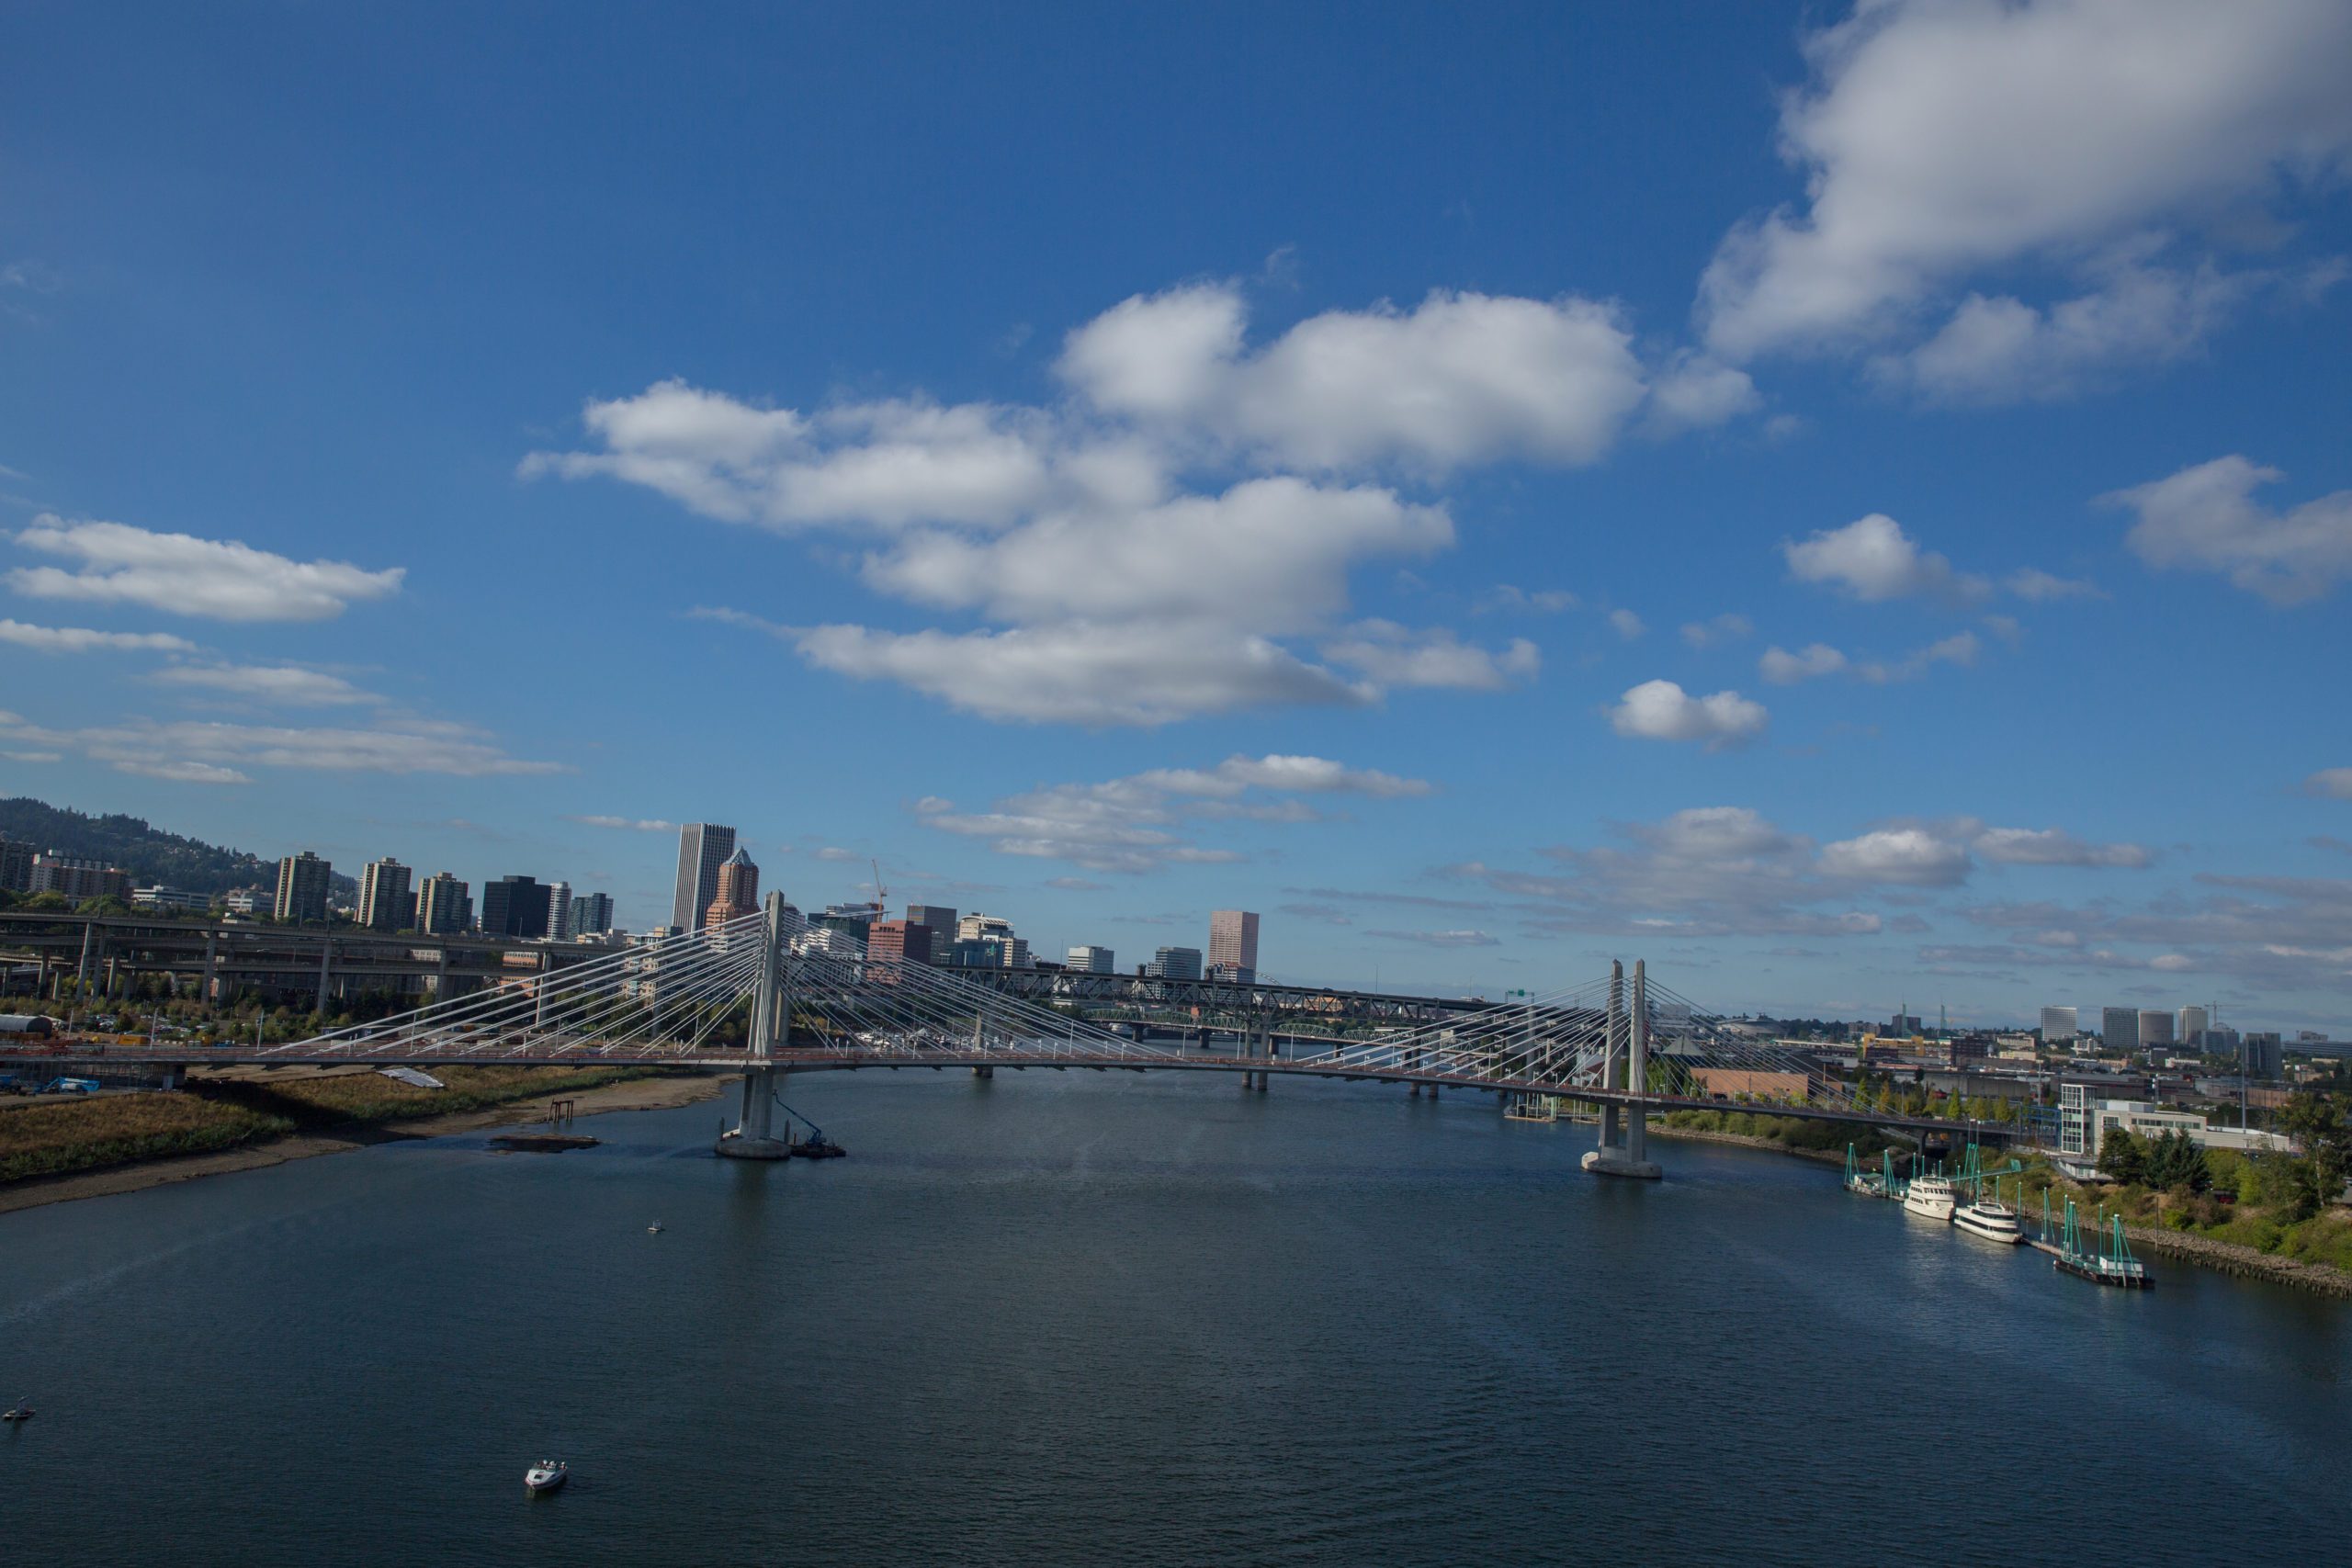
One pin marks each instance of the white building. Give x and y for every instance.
(2189, 1024)
(2156, 1027)
(1093, 960)
(559, 910)
(2059, 1027)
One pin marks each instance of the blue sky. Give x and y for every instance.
(1849, 508)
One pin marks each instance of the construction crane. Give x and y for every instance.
(881, 894)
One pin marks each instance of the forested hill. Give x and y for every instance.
(149, 854)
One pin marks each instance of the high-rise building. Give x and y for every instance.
(515, 907)
(2188, 1026)
(974, 926)
(703, 848)
(302, 888)
(737, 892)
(2155, 1026)
(559, 910)
(80, 879)
(15, 866)
(2119, 1029)
(2058, 1027)
(592, 915)
(941, 922)
(1093, 960)
(892, 943)
(444, 907)
(2260, 1053)
(1233, 944)
(383, 895)
(1175, 963)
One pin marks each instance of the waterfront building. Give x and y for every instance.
(738, 892)
(2188, 1026)
(78, 879)
(176, 899)
(515, 907)
(703, 848)
(2058, 1027)
(1174, 963)
(592, 915)
(1233, 944)
(1093, 960)
(384, 901)
(444, 905)
(2155, 1026)
(2119, 1029)
(303, 883)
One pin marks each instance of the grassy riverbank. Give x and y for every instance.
(217, 1113)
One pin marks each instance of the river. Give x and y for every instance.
(1080, 1319)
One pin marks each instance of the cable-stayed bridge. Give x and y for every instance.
(769, 994)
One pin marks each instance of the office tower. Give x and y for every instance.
(975, 926)
(1233, 943)
(2119, 1029)
(383, 895)
(941, 922)
(515, 907)
(2260, 1053)
(2155, 1026)
(1174, 963)
(892, 943)
(15, 866)
(2058, 1027)
(559, 910)
(592, 914)
(2188, 1026)
(703, 848)
(738, 892)
(301, 888)
(1093, 960)
(444, 907)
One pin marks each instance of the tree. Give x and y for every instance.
(2321, 1125)
(2173, 1159)
(2122, 1157)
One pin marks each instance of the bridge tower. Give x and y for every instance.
(753, 1136)
(1624, 1140)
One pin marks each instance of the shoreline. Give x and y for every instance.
(2187, 1246)
(635, 1094)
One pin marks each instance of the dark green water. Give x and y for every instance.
(1066, 1318)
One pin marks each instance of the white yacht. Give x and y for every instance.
(1990, 1219)
(1929, 1197)
(547, 1476)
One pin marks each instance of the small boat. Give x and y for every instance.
(654, 1229)
(1929, 1197)
(17, 1412)
(1993, 1221)
(818, 1147)
(545, 1475)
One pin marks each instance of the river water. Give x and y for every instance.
(1077, 1318)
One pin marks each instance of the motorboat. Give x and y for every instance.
(20, 1410)
(1993, 1221)
(1930, 1198)
(545, 1475)
(654, 1229)
(817, 1146)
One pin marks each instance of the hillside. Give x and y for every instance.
(149, 854)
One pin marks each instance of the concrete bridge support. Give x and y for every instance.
(1624, 1138)
(754, 1134)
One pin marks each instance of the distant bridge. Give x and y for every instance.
(765, 995)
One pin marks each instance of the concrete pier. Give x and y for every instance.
(753, 1136)
(1624, 1138)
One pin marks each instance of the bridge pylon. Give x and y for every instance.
(753, 1136)
(1624, 1138)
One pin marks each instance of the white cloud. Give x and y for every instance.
(634, 824)
(2036, 586)
(36, 757)
(1460, 378)
(1544, 601)
(80, 639)
(221, 579)
(1785, 669)
(2054, 846)
(1961, 647)
(1694, 391)
(1440, 939)
(1940, 140)
(1626, 624)
(286, 685)
(1143, 822)
(2205, 519)
(1909, 856)
(208, 752)
(2333, 783)
(1661, 710)
(1729, 626)
(1391, 655)
(1872, 560)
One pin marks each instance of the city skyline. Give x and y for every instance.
(1763, 583)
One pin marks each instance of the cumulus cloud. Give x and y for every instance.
(2270, 932)
(1393, 655)
(2205, 519)
(2054, 846)
(1785, 669)
(1661, 710)
(1961, 647)
(2333, 783)
(1148, 820)
(208, 752)
(1940, 141)
(1542, 600)
(1872, 560)
(2036, 586)
(1729, 626)
(1626, 624)
(281, 685)
(225, 580)
(80, 639)
(1905, 856)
